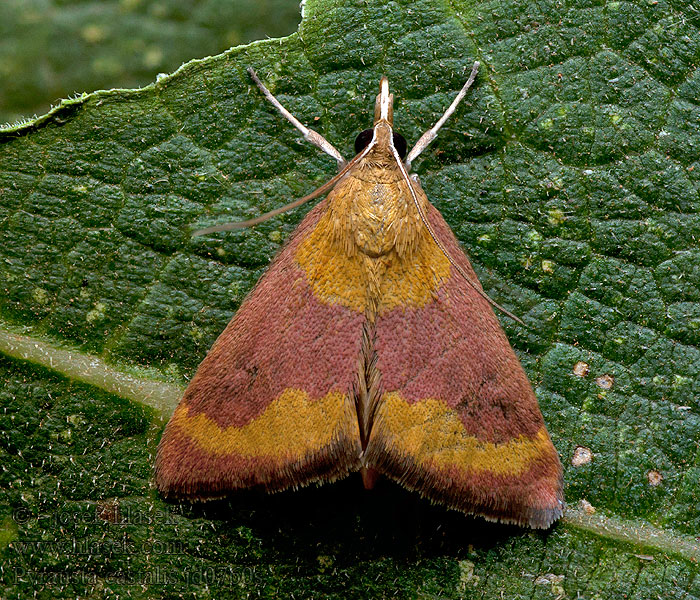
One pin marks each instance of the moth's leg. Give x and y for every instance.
(309, 134)
(431, 134)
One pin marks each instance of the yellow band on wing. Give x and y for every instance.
(291, 425)
(430, 431)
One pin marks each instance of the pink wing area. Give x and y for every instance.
(456, 418)
(272, 404)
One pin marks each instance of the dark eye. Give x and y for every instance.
(400, 144)
(363, 140)
(365, 137)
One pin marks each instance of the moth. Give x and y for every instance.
(368, 346)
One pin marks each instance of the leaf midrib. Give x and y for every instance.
(163, 396)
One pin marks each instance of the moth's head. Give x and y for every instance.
(382, 134)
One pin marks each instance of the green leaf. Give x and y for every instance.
(570, 176)
(57, 48)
